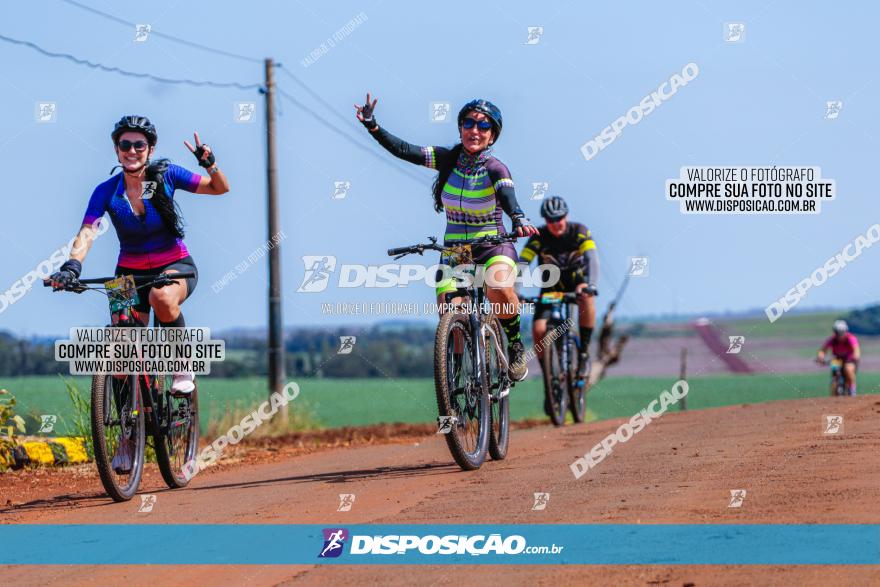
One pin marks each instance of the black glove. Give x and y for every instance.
(200, 152)
(519, 221)
(591, 290)
(369, 120)
(68, 273)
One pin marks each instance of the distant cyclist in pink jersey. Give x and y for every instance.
(844, 346)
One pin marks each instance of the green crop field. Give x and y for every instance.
(352, 402)
(813, 326)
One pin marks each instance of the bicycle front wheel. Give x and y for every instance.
(462, 399)
(177, 437)
(577, 387)
(118, 434)
(555, 382)
(499, 417)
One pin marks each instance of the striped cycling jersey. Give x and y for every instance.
(469, 195)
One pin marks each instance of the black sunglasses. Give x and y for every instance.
(125, 146)
(470, 123)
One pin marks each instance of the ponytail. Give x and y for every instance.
(167, 208)
(445, 165)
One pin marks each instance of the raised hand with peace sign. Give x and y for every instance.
(202, 152)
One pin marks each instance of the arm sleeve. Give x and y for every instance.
(587, 247)
(531, 250)
(97, 205)
(182, 179)
(504, 190)
(426, 156)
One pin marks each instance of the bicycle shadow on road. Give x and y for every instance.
(346, 476)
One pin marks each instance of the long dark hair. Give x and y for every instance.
(167, 208)
(444, 168)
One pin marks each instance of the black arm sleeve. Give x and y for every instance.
(507, 198)
(399, 147)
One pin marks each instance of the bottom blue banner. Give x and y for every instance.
(594, 544)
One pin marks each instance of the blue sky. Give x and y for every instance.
(759, 102)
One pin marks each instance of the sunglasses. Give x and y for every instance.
(125, 146)
(482, 125)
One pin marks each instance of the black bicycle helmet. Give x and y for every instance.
(554, 208)
(487, 108)
(139, 124)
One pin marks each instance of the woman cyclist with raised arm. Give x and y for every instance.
(473, 187)
(140, 202)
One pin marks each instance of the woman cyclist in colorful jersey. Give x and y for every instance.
(844, 346)
(147, 222)
(570, 246)
(473, 187)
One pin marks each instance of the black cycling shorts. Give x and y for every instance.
(185, 265)
(568, 281)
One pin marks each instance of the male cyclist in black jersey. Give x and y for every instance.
(473, 188)
(569, 246)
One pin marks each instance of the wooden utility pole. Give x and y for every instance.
(276, 324)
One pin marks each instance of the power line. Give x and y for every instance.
(348, 137)
(165, 36)
(111, 69)
(315, 95)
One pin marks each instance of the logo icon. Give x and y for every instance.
(244, 112)
(47, 423)
(334, 539)
(535, 34)
(346, 345)
(46, 112)
(833, 424)
(736, 344)
(440, 111)
(638, 266)
(445, 424)
(734, 32)
(832, 109)
(317, 275)
(541, 500)
(346, 500)
(141, 32)
(340, 189)
(147, 503)
(149, 188)
(540, 189)
(737, 497)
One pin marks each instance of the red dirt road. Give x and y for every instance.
(680, 469)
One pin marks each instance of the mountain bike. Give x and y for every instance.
(130, 408)
(470, 364)
(563, 389)
(838, 381)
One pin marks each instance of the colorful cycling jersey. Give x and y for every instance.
(469, 195)
(478, 189)
(572, 250)
(145, 242)
(843, 347)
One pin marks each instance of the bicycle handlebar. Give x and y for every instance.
(138, 279)
(421, 248)
(571, 297)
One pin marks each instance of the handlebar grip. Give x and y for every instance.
(399, 251)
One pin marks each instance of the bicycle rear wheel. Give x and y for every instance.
(556, 377)
(176, 439)
(499, 416)
(118, 429)
(461, 396)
